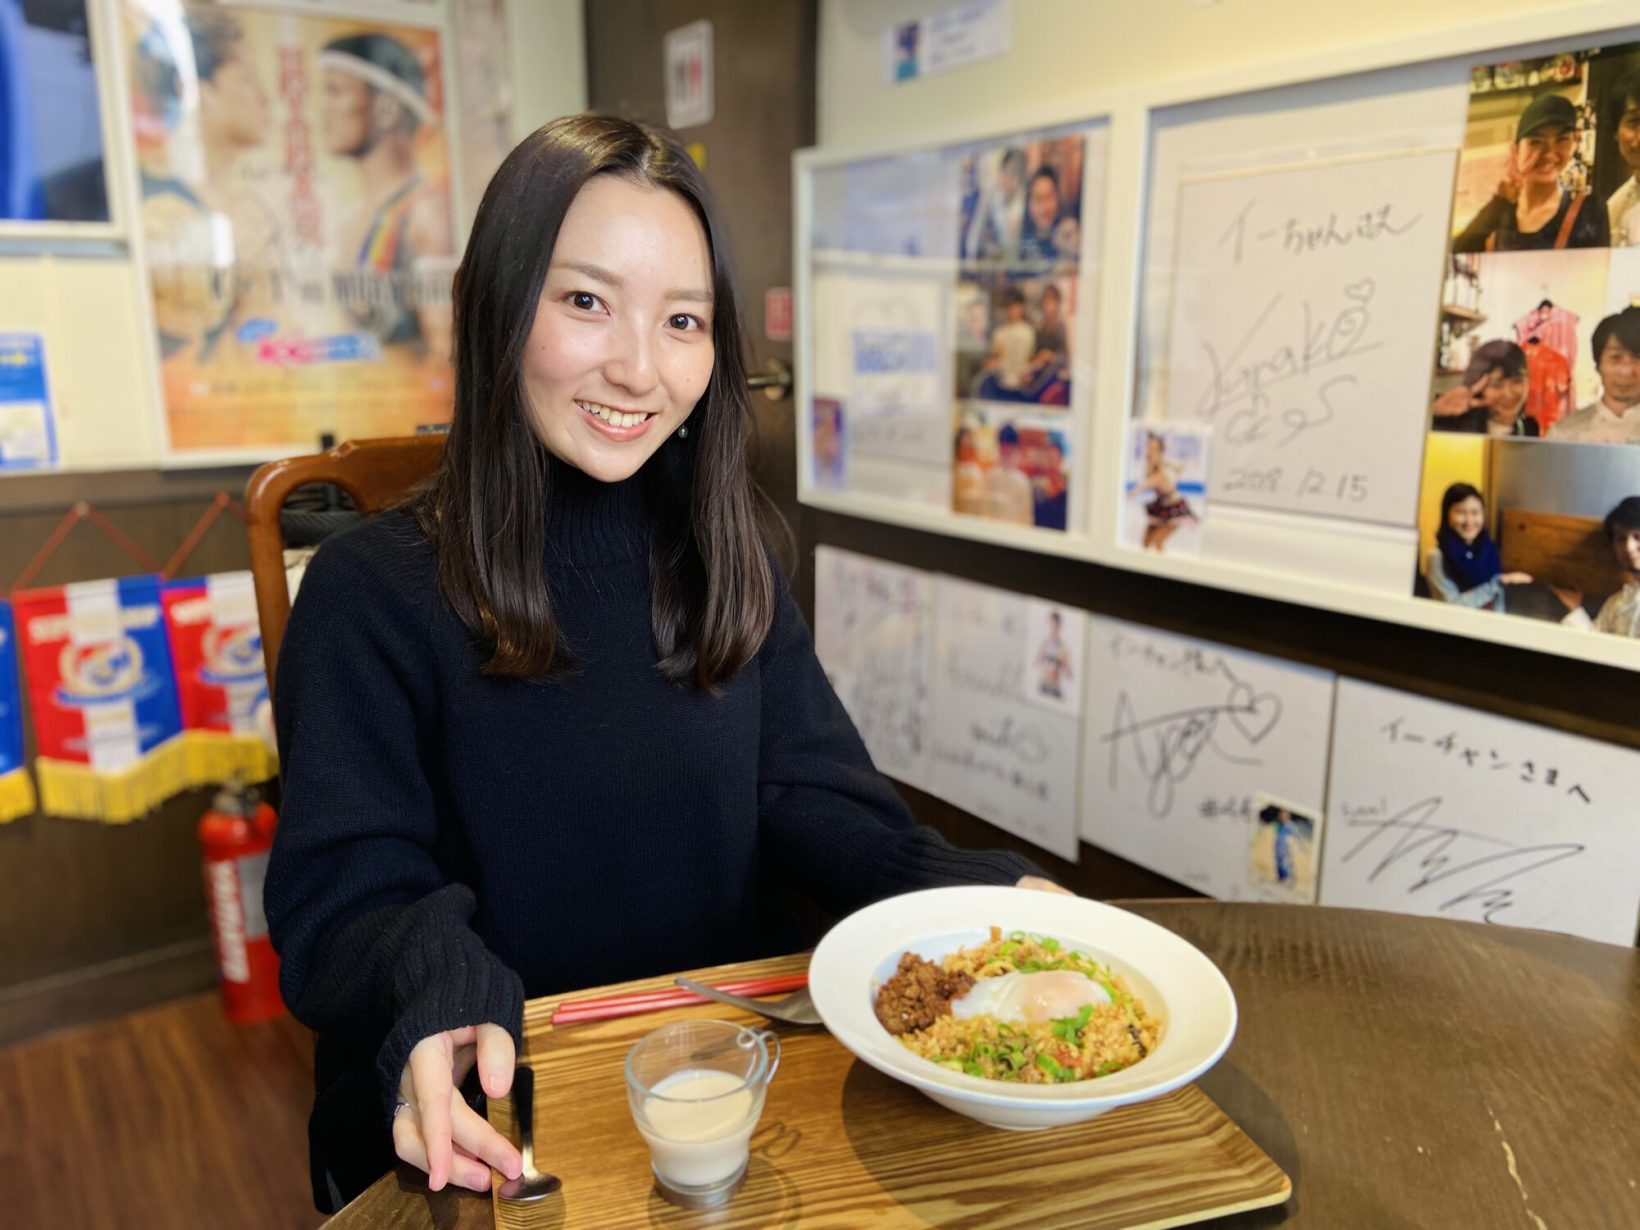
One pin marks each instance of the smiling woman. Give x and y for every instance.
(558, 723)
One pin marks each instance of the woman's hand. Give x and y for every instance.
(433, 1127)
(1514, 174)
(1571, 598)
(1516, 578)
(1042, 885)
(1461, 399)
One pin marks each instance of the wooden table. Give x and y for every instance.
(1405, 1072)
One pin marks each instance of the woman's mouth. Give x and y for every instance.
(617, 424)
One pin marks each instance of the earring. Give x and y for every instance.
(683, 432)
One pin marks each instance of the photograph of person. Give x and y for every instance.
(1615, 417)
(1464, 567)
(1054, 672)
(1492, 398)
(1166, 490)
(1013, 470)
(1623, 121)
(1016, 200)
(1541, 199)
(1529, 315)
(374, 94)
(1510, 525)
(51, 139)
(827, 447)
(1283, 850)
(1014, 340)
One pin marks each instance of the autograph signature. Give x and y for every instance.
(1436, 855)
(1168, 746)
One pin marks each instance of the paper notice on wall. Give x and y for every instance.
(1006, 699)
(28, 429)
(688, 57)
(957, 35)
(874, 634)
(1440, 810)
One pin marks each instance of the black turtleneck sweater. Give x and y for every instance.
(450, 843)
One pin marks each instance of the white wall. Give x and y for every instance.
(549, 61)
(1065, 48)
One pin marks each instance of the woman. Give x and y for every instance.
(1042, 205)
(544, 727)
(1492, 397)
(1531, 209)
(1463, 567)
(1167, 509)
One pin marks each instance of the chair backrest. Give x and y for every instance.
(377, 473)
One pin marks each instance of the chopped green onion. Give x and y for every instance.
(973, 1069)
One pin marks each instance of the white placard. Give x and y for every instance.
(1303, 301)
(953, 37)
(874, 634)
(1006, 698)
(1187, 741)
(688, 66)
(1441, 810)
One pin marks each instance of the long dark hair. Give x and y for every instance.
(1468, 563)
(485, 509)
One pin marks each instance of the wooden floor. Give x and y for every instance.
(167, 1119)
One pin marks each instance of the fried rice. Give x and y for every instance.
(1101, 1039)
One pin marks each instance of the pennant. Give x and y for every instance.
(216, 644)
(16, 787)
(103, 696)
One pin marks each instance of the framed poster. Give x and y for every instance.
(296, 225)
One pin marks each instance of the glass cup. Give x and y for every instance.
(696, 1089)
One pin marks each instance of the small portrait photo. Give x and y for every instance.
(1014, 339)
(1008, 469)
(1054, 639)
(905, 40)
(1164, 502)
(1020, 204)
(828, 445)
(1526, 175)
(1284, 851)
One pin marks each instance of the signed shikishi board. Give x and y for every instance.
(841, 1145)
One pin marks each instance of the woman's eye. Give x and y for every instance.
(685, 321)
(585, 301)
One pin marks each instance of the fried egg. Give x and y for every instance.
(1046, 996)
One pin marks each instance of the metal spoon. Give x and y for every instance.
(531, 1184)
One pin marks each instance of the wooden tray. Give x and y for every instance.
(841, 1145)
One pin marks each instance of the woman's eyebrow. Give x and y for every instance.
(609, 278)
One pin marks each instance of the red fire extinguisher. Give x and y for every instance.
(236, 835)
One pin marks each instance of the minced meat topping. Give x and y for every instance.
(918, 994)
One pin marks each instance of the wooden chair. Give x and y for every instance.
(377, 473)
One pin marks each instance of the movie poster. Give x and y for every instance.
(296, 224)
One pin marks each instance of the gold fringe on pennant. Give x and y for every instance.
(68, 788)
(215, 756)
(16, 795)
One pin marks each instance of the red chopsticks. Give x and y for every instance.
(575, 1011)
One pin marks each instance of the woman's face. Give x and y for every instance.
(1504, 396)
(1153, 450)
(1043, 204)
(621, 348)
(1467, 518)
(1543, 153)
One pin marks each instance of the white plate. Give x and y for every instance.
(1174, 979)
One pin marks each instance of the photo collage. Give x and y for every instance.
(1019, 243)
(1530, 501)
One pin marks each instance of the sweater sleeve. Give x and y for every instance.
(1487, 219)
(822, 804)
(373, 942)
(1446, 589)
